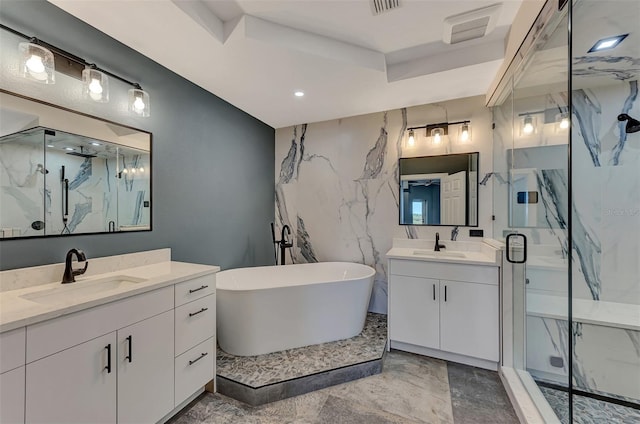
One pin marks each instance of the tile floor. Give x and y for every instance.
(410, 389)
(588, 410)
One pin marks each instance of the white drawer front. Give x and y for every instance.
(445, 271)
(12, 349)
(195, 322)
(52, 336)
(191, 290)
(194, 369)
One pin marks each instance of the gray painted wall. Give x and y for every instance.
(213, 164)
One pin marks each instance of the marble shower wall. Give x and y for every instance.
(337, 182)
(606, 199)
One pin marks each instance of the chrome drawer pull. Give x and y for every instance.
(202, 355)
(198, 289)
(196, 313)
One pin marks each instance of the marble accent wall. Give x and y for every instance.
(337, 182)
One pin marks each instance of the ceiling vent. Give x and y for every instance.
(382, 6)
(470, 25)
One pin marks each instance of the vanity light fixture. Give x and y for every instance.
(39, 61)
(439, 132)
(95, 84)
(562, 119)
(139, 101)
(436, 135)
(465, 132)
(36, 62)
(607, 43)
(527, 125)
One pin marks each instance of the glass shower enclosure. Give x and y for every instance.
(567, 203)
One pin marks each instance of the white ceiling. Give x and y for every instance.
(255, 54)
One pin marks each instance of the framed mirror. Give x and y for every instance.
(439, 190)
(64, 173)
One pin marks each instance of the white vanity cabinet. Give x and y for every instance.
(195, 327)
(12, 369)
(445, 310)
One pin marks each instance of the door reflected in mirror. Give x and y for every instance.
(439, 190)
(64, 173)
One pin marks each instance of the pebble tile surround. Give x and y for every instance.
(263, 370)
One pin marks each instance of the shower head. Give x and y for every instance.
(633, 125)
(82, 154)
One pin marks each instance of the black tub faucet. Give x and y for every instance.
(284, 244)
(69, 272)
(438, 245)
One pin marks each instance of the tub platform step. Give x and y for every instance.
(257, 380)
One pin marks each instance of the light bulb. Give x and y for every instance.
(138, 104)
(125, 171)
(141, 169)
(564, 123)
(95, 86)
(528, 125)
(436, 138)
(464, 136)
(34, 63)
(133, 170)
(412, 139)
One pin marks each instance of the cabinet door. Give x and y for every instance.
(413, 311)
(469, 319)
(145, 370)
(12, 396)
(75, 385)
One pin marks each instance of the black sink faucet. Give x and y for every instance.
(69, 272)
(438, 245)
(284, 244)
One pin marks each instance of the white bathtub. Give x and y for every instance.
(273, 308)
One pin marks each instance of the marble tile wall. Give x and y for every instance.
(337, 182)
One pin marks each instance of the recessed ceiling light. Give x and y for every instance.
(49, 145)
(299, 93)
(607, 43)
(93, 143)
(69, 148)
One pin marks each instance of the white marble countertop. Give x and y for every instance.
(457, 252)
(609, 314)
(16, 311)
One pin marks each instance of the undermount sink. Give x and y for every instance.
(439, 254)
(76, 291)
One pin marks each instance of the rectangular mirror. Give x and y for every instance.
(439, 190)
(63, 172)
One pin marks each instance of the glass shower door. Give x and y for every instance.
(531, 198)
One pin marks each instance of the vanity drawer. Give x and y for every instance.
(444, 271)
(194, 369)
(195, 322)
(191, 290)
(54, 335)
(12, 349)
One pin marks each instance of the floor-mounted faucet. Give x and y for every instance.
(69, 272)
(283, 243)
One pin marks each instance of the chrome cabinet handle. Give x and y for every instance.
(199, 312)
(198, 289)
(202, 355)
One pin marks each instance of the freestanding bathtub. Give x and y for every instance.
(273, 308)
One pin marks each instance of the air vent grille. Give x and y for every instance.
(469, 30)
(381, 6)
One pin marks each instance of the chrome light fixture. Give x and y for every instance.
(139, 101)
(95, 85)
(36, 62)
